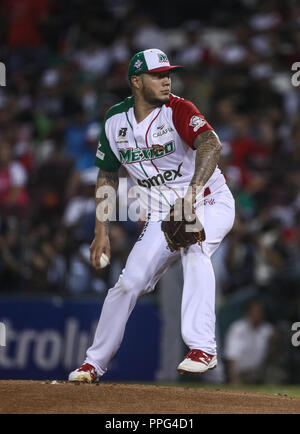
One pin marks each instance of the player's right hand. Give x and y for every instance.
(100, 244)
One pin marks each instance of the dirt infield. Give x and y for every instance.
(107, 398)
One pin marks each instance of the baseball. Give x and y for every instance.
(104, 260)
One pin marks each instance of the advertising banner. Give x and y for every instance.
(46, 338)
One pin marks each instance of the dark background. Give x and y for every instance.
(66, 63)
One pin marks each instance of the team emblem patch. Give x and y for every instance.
(158, 148)
(162, 58)
(196, 122)
(138, 64)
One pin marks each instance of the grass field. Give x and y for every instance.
(270, 389)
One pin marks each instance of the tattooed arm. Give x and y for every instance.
(208, 148)
(107, 181)
(104, 202)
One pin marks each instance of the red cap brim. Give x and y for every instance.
(165, 68)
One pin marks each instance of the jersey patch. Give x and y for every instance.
(105, 158)
(100, 154)
(197, 122)
(122, 132)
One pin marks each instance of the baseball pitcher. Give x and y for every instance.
(171, 153)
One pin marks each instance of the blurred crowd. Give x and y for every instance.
(66, 64)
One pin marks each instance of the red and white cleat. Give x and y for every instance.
(197, 362)
(86, 373)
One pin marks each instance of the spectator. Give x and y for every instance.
(76, 145)
(13, 178)
(148, 34)
(25, 20)
(12, 266)
(240, 258)
(193, 53)
(270, 253)
(247, 346)
(80, 208)
(94, 59)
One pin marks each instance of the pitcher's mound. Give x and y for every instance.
(111, 398)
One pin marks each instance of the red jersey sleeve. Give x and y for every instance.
(187, 119)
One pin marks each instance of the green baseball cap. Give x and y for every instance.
(152, 60)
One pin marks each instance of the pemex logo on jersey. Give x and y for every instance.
(138, 155)
(161, 178)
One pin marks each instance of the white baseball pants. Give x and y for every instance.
(147, 261)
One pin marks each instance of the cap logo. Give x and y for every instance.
(162, 58)
(138, 64)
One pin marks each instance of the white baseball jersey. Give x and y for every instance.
(158, 152)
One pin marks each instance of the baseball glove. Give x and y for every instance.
(183, 233)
